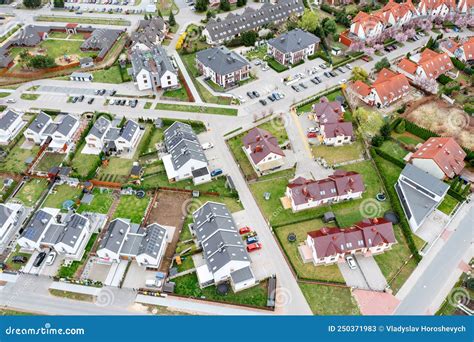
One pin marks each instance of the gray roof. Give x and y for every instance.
(293, 41)
(129, 130)
(115, 235)
(200, 172)
(132, 244)
(218, 235)
(100, 127)
(101, 40)
(155, 236)
(156, 61)
(86, 60)
(112, 134)
(53, 234)
(75, 224)
(8, 118)
(31, 35)
(39, 122)
(66, 125)
(37, 225)
(251, 19)
(78, 74)
(5, 213)
(242, 275)
(416, 190)
(221, 60)
(150, 32)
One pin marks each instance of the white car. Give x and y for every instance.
(342, 81)
(351, 262)
(11, 101)
(112, 102)
(313, 130)
(207, 146)
(50, 258)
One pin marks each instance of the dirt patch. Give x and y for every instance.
(168, 211)
(66, 60)
(445, 120)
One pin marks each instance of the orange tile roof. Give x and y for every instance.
(468, 48)
(435, 64)
(408, 66)
(361, 88)
(390, 85)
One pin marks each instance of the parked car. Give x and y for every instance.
(113, 92)
(251, 95)
(342, 81)
(80, 98)
(19, 259)
(313, 130)
(365, 58)
(271, 98)
(11, 101)
(318, 79)
(312, 135)
(74, 99)
(207, 146)
(90, 100)
(244, 230)
(326, 74)
(257, 62)
(314, 80)
(51, 257)
(216, 172)
(302, 85)
(254, 247)
(349, 67)
(256, 93)
(39, 259)
(351, 262)
(333, 73)
(133, 103)
(263, 102)
(296, 88)
(251, 239)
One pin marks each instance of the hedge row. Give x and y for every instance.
(456, 195)
(392, 195)
(400, 163)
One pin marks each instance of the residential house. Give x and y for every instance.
(398, 14)
(327, 246)
(428, 64)
(57, 134)
(95, 139)
(223, 250)
(124, 240)
(293, 46)
(329, 117)
(86, 62)
(466, 7)
(101, 40)
(337, 134)
(153, 70)
(263, 151)
(436, 8)
(341, 186)
(440, 157)
(218, 31)
(10, 221)
(185, 154)
(419, 193)
(31, 35)
(37, 227)
(365, 26)
(387, 88)
(463, 50)
(224, 67)
(11, 124)
(149, 34)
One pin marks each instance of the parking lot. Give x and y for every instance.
(105, 6)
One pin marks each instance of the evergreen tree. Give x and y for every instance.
(224, 5)
(171, 20)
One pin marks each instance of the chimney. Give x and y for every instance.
(258, 148)
(305, 191)
(375, 220)
(258, 138)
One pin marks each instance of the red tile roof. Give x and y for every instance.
(390, 85)
(365, 234)
(328, 112)
(468, 48)
(261, 143)
(435, 64)
(408, 66)
(338, 129)
(361, 88)
(445, 152)
(340, 183)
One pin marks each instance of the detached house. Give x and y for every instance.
(305, 193)
(153, 70)
(464, 50)
(333, 130)
(10, 221)
(262, 149)
(185, 158)
(330, 245)
(366, 26)
(224, 252)
(293, 46)
(37, 227)
(466, 7)
(224, 67)
(149, 34)
(428, 64)
(57, 134)
(419, 193)
(387, 88)
(11, 124)
(440, 157)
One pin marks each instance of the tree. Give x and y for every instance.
(309, 21)
(377, 141)
(201, 5)
(159, 14)
(369, 121)
(383, 63)
(32, 3)
(171, 20)
(41, 62)
(329, 26)
(359, 74)
(385, 131)
(58, 3)
(400, 128)
(241, 3)
(249, 38)
(224, 5)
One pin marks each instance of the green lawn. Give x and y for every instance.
(132, 208)
(255, 53)
(147, 105)
(9, 312)
(48, 160)
(15, 161)
(306, 271)
(14, 266)
(448, 205)
(395, 150)
(272, 63)
(232, 203)
(178, 94)
(83, 20)
(188, 286)
(4, 94)
(60, 194)
(166, 6)
(117, 170)
(101, 203)
(110, 75)
(329, 300)
(58, 48)
(31, 191)
(70, 271)
(339, 154)
(156, 137)
(407, 138)
(30, 97)
(196, 109)
(84, 164)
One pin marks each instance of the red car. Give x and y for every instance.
(254, 247)
(244, 230)
(311, 135)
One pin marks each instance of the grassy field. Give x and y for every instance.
(448, 205)
(188, 286)
(58, 48)
(166, 6)
(196, 109)
(407, 138)
(31, 191)
(72, 295)
(110, 75)
(308, 270)
(393, 149)
(60, 194)
(117, 170)
(30, 97)
(15, 161)
(83, 164)
(48, 160)
(232, 203)
(178, 94)
(329, 300)
(132, 208)
(157, 137)
(101, 203)
(14, 266)
(272, 63)
(83, 20)
(340, 154)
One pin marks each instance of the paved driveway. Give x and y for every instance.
(354, 278)
(367, 275)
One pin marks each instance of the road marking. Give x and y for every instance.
(301, 132)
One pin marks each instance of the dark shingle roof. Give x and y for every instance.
(221, 60)
(293, 41)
